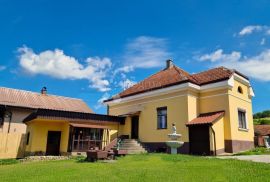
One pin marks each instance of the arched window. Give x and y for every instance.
(240, 90)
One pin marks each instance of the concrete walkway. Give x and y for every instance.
(254, 158)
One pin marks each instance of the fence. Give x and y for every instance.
(12, 145)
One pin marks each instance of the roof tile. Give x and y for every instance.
(21, 98)
(174, 76)
(206, 118)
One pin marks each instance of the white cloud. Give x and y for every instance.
(124, 69)
(125, 84)
(247, 30)
(218, 55)
(2, 68)
(56, 64)
(257, 66)
(100, 101)
(145, 52)
(262, 41)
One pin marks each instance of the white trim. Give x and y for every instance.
(245, 111)
(218, 85)
(184, 86)
(153, 93)
(241, 79)
(172, 89)
(131, 105)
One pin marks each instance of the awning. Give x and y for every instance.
(85, 125)
(206, 118)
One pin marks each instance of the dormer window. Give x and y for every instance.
(240, 90)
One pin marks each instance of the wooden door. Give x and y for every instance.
(53, 143)
(199, 140)
(135, 127)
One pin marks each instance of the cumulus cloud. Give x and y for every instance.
(144, 52)
(125, 84)
(254, 28)
(218, 55)
(257, 66)
(100, 103)
(2, 68)
(56, 64)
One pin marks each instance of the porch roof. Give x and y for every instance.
(72, 116)
(87, 125)
(206, 118)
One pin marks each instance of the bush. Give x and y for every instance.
(255, 151)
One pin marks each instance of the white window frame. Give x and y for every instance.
(246, 119)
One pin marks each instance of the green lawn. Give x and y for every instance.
(152, 167)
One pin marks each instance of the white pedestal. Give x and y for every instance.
(173, 150)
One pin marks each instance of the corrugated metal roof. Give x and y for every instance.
(22, 98)
(70, 116)
(206, 118)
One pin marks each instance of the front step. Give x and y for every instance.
(132, 146)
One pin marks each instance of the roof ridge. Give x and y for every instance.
(21, 90)
(178, 70)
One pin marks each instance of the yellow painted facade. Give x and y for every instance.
(38, 130)
(186, 104)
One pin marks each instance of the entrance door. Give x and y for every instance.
(199, 140)
(135, 127)
(53, 142)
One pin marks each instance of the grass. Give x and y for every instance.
(147, 167)
(256, 151)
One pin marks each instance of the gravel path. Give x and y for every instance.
(254, 158)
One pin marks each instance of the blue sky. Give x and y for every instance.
(92, 49)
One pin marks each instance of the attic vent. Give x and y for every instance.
(169, 64)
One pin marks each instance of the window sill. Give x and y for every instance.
(243, 129)
(161, 128)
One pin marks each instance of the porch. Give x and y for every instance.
(62, 133)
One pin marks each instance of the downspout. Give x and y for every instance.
(214, 134)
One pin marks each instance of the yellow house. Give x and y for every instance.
(43, 124)
(212, 110)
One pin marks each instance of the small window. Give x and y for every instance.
(242, 119)
(240, 90)
(27, 138)
(162, 118)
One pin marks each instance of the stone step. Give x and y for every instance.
(132, 146)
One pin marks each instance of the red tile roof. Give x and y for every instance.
(21, 98)
(174, 76)
(262, 129)
(206, 118)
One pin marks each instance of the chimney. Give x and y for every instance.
(169, 64)
(44, 91)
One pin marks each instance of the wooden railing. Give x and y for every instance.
(84, 144)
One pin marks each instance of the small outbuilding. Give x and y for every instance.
(262, 133)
